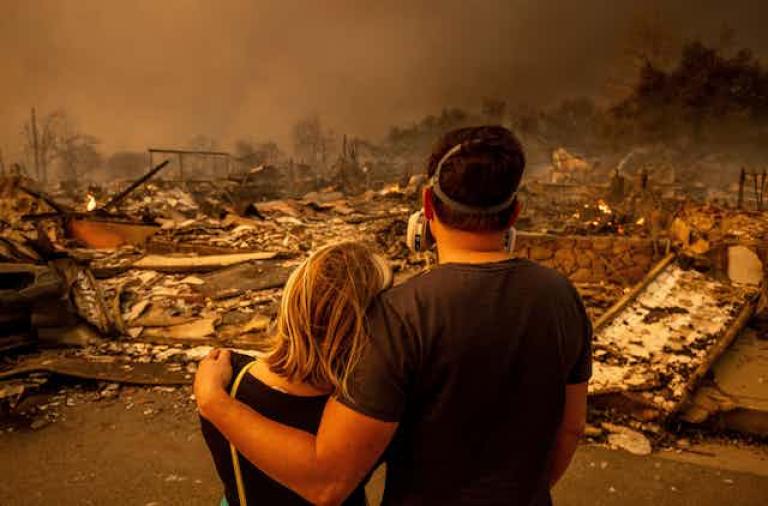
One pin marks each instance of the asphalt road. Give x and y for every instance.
(143, 448)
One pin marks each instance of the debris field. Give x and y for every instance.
(135, 292)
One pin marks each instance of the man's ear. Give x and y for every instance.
(515, 213)
(426, 198)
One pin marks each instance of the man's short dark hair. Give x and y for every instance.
(483, 173)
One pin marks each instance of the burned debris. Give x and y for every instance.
(159, 270)
(130, 284)
(658, 344)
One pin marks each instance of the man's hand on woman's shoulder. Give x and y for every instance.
(214, 373)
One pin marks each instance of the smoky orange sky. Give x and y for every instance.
(156, 73)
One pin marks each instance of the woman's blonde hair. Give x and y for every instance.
(321, 330)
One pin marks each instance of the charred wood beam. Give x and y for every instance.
(120, 196)
(60, 210)
(188, 152)
(619, 306)
(116, 371)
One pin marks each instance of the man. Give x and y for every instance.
(475, 376)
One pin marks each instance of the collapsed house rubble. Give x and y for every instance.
(655, 346)
(149, 279)
(136, 308)
(733, 395)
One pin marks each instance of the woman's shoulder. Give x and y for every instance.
(238, 361)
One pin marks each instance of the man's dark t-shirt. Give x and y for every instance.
(473, 360)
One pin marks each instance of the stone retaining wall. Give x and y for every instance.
(590, 259)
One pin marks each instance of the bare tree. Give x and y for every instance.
(55, 138)
(648, 41)
(311, 142)
(78, 154)
(48, 131)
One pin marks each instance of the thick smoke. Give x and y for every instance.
(146, 73)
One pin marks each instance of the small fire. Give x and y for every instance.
(90, 202)
(641, 221)
(392, 188)
(603, 207)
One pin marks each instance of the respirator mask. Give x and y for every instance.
(419, 238)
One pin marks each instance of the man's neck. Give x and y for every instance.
(468, 251)
(463, 256)
(465, 247)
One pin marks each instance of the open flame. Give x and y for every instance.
(389, 189)
(603, 207)
(90, 202)
(641, 221)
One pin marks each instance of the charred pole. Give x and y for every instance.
(143, 179)
(758, 203)
(36, 147)
(45, 198)
(742, 180)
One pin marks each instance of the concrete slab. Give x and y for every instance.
(742, 371)
(737, 396)
(744, 266)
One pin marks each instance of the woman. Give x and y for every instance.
(319, 335)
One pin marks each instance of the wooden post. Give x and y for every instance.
(619, 306)
(36, 147)
(742, 180)
(754, 180)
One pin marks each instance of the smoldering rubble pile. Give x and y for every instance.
(698, 228)
(576, 198)
(202, 279)
(232, 293)
(656, 348)
(612, 206)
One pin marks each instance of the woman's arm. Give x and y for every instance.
(324, 469)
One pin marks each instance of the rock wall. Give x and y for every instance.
(590, 259)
